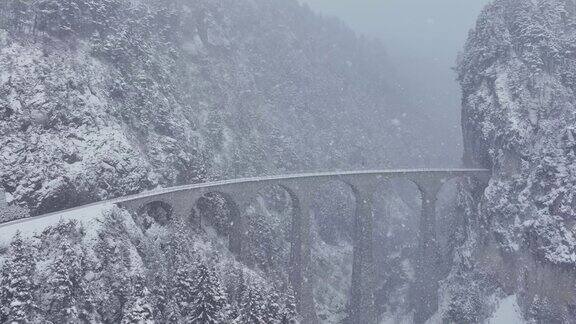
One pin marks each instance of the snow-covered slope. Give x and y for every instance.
(105, 98)
(102, 268)
(507, 311)
(114, 97)
(28, 228)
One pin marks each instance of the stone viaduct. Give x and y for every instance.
(182, 203)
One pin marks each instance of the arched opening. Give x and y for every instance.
(216, 211)
(397, 207)
(291, 243)
(268, 228)
(333, 209)
(156, 213)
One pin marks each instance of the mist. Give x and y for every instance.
(422, 39)
(287, 161)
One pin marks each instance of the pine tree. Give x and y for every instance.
(262, 242)
(235, 292)
(139, 308)
(289, 313)
(210, 302)
(65, 286)
(273, 312)
(280, 307)
(252, 307)
(541, 311)
(159, 297)
(17, 286)
(179, 306)
(114, 267)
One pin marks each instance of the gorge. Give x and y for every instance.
(101, 100)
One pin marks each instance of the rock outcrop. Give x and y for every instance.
(518, 77)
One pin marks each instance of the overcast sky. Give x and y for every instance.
(434, 28)
(423, 38)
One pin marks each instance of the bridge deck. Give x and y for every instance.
(304, 176)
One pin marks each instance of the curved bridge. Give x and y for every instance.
(182, 203)
(237, 193)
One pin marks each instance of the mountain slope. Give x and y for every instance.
(104, 98)
(107, 98)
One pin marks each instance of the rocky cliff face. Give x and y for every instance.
(107, 98)
(518, 77)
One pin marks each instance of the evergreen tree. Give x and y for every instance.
(210, 303)
(252, 307)
(289, 313)
(139, 308)
(235, 292)
(64, 286)
(17, 286)
(542, 311)
(113, 253)
(182, 294)
(279, 308)
(274, 311)
(160, 300)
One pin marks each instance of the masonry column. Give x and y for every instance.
(362, 308)
(300, 262)
(425, 292)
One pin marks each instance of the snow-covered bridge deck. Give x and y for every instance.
(377, 174)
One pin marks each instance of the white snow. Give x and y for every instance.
(507, 312)
(87, 216)
(396, 319)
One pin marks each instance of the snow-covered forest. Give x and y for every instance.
(102, 99)
(113, 97)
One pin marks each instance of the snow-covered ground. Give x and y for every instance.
(507, 312)
(87, 216)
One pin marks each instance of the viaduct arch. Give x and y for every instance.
(182, 200)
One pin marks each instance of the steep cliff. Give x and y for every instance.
(518, 77)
